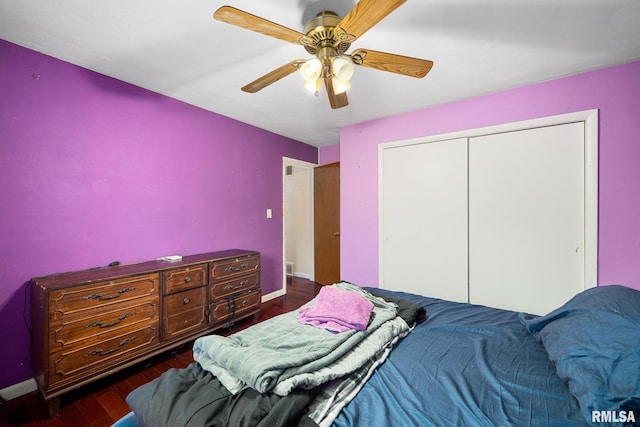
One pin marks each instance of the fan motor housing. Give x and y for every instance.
(321, 30)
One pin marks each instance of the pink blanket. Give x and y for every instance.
(337, 310)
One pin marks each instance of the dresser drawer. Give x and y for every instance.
(84, 298)
(227, 308)
(184, 323)
(238, 284)
(185, 301)
(184, 278)
(101, 326)
(77, 360)
(225, 269)
(185, 313)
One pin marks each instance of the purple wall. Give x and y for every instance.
(94, 170)
(614, 91)
(329, 154)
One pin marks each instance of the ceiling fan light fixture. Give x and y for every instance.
(340, 86)
(313, 86)
(327, 37)
(311, 69)
(342, 69)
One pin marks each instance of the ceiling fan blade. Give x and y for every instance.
(273, 76)
(242, 19)
(336, 100)
(391, 62)
(364, 15)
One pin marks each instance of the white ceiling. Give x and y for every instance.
(176, 48)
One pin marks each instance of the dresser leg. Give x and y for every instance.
(54, 407)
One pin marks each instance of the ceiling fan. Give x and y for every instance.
(327, 37)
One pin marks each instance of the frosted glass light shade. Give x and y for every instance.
(340, 86)
(342, 69)
(311, 69)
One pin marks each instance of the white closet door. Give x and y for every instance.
(423, 219)
(526, 218)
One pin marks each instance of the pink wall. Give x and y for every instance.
(94, 170)
(614, 91)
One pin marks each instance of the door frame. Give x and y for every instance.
(287, 161)
(590, 120)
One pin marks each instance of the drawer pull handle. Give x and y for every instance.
(124, 316)
(99, 324)
(240, 268)
(240, 285)
(186, 300)
(101, 352)
(187, 279)
(100, 297)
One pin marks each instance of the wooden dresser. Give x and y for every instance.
(89, 324)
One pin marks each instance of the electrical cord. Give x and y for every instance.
(26, 324)
(231, 311)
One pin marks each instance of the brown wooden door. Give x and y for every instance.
(326, 190)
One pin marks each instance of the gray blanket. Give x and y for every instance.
(280, 348)
(192, 397)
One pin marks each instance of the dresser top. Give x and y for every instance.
(107, 273)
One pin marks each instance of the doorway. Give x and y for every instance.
(298, 239)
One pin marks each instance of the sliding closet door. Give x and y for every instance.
(527, 217)
(423, 219)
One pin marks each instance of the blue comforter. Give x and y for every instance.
(467, 365)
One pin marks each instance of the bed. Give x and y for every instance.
(453, 364)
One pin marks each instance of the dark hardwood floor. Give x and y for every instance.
(103, 402)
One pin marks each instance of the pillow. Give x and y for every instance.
(594, 342)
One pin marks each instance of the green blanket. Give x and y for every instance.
(277, 349)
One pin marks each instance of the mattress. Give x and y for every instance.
(471, 365)
(467, 365)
